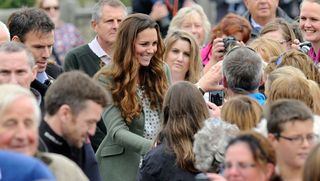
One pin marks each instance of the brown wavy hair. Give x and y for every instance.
(126, 71)
(184, 112)
(232, 24)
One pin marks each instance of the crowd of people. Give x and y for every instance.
(161, 94)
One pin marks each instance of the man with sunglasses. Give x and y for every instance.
(290, 125)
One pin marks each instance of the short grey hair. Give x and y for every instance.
(5, 29)
(243, 69)
(210, 143)
(14, 47)
(11, 92)
(97, 8)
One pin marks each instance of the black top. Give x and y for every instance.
(84, 156)
(160, 164)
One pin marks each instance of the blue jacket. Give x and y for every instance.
(18, 167)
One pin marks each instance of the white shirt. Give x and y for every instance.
(96, 48)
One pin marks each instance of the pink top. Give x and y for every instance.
(314, 56)
(206, 53)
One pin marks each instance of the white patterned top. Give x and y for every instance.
(152, 117)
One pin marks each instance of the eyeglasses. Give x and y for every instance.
(51, 7)
(238, 165)
(298, 140)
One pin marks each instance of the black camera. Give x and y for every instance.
(216, 97)
(305, 47)
(229, 42)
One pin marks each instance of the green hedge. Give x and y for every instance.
(16, 3)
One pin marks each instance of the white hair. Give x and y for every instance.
(210, 143)
(11, 92)
(4, 28)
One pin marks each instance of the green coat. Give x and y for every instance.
(120, 151)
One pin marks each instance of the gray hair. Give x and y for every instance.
(243, 69)
(97, 8)
(5, 29)
(11, 92)
(210, 143)
(14, 47)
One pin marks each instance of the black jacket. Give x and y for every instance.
(159, 164)
(84, 157)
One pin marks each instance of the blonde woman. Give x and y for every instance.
(182, 56)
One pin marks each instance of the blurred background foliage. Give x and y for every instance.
(16, 3)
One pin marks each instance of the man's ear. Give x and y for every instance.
(15, 38)
(64, 113)
(270, 168)
(93, 25)
(262, 80)
(225, 82)
(34, 72)
(273, 140)
(245, 2)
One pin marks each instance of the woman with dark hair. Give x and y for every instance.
(184, 112)
(136, 80)
(231, 25)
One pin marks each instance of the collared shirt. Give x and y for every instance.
(259, 97)
(255, 25)
(42, 76)
(96, 48)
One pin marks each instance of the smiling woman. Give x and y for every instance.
(136, 79)
(310, 26)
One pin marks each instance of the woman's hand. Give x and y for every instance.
(159, 11)
(217, 50)
(217, 53)
(295, 44)
(210, 80)
(214, 110)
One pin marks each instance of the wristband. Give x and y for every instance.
(201, 90)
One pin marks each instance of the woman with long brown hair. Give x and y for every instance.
(184, 112)
(136, 80)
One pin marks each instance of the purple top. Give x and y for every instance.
(66, 37)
